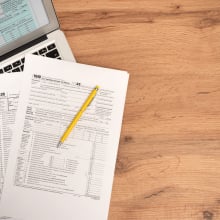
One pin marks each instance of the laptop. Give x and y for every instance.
(29, 26)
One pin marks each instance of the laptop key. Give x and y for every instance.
(22, 67)
(51, 46)
(22, 60)
(17, 63)
(16, 70)
(1, 71)
(43, 50)
(53, 54)
(7, 68)
(35, 53)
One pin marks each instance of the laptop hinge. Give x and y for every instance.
(22, 48)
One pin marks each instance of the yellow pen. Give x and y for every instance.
(78, 115)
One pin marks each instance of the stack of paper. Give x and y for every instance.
(74, 181)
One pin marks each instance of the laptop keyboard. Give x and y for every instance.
(18, 66)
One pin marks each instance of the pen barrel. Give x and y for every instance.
(71, 126)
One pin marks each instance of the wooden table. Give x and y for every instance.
(168, 164)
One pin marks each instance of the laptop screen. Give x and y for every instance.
(19, 18)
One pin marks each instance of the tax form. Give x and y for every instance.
(9, 96)
(73, 181)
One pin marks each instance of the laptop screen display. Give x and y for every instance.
(19, 18)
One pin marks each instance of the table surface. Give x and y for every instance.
(168, 164)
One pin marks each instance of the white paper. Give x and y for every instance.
(9, 96)
(74, 181)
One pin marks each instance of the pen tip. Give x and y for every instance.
(59, 144)
(97, 88)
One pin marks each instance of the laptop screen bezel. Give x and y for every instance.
(51, 26)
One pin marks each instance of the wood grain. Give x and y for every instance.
(168, 164)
